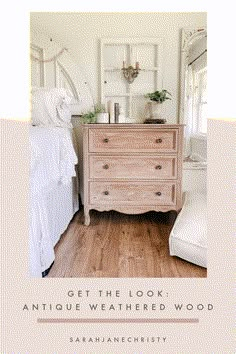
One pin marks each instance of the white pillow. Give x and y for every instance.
(50, 107)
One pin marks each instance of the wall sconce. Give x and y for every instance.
(130, 72)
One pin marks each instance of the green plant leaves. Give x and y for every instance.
(159, 96)
(90, 117)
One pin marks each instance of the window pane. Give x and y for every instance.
(200, 101)
(203, 118)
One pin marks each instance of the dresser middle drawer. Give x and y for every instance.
(132, 167)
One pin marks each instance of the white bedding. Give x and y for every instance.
(52, 206)
(50, 107)
(53, 157)
(188, 237)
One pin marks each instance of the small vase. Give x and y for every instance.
(153, 110)
(102, 117)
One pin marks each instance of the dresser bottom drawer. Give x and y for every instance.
(132, 193)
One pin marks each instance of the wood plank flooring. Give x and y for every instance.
(117, 245)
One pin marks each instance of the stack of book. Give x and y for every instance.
(155, 121)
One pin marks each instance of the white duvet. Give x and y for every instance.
(50, 107)
(52, 165)
(52, 159)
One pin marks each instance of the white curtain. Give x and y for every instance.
(188, 118)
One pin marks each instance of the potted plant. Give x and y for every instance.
(89, 117)
(97, 115)
(158, 96)
(152, 107)
(101, 115)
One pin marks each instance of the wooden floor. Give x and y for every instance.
(119, 246)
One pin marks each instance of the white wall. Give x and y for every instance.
(80, 33)
(51, 71)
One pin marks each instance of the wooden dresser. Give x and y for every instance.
(132, 168)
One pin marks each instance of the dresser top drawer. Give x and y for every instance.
(133, 140)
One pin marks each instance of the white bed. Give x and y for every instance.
(53, 186)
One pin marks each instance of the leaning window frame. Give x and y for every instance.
(197, 102)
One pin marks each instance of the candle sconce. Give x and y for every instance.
(130, 72)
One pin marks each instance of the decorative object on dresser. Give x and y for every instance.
(152, 107)
(117, 112)
(97, 115)
(155, 121)
(101, 115)
(132, 168)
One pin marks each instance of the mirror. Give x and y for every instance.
(193, 84)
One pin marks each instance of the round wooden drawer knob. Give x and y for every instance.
(105, 167)
(106, 193)
(159, 140)
(105, 140)
(158, 193)
(158, 167)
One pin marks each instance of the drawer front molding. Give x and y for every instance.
(137, 167)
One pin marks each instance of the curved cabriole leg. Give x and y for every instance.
(86, 217)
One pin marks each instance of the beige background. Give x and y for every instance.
(213, 334)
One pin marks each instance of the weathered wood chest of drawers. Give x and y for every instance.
(132, 168)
